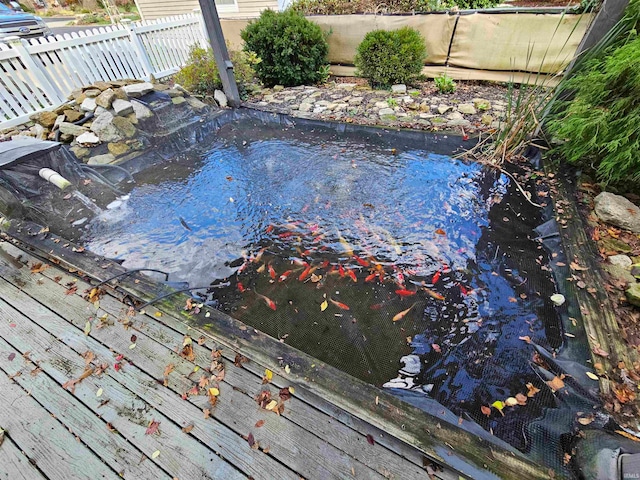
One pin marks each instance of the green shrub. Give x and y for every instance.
(387, 57)
(200, 74)
(293, 50)
(600, 123)
(445, 84)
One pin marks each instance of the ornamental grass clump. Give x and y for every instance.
(387, 57)
(293, 50)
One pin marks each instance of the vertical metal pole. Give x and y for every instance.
(220, 53)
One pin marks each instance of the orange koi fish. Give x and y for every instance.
(261, 268)
(286, 234)
(376, 306)
(340, 305)
(307, 271)
(272, 272)
(352, 276)
(370, 278)
(341, 271)
(270, 303)
(463, 289)
(402, 314)
(269, 229)
(433, 294)
(405, 293)
(436, 277)
(361, 261)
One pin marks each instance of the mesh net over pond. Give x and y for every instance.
(374, 251)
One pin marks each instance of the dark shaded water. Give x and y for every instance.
(292, 218)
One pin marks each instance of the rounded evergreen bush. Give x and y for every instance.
(291, 48)
(388, 57)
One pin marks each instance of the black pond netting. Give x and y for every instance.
(374, 251)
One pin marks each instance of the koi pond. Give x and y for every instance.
(374, 251)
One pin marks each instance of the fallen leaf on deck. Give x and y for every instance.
(250, 440)
(239, 360)
(599, 351)
(39, 267)
(12, 356)
(99, 392)
(271, 405)
(259, 423)
(187, 428)
(155, 454)
(203, 382)
(592, 376)
(285, 394)
(206, 413)
(152, 427)
(370, 439)
(268, 376)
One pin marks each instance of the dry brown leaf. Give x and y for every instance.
(152, 427)
(206, 412)
(532, 390)
(526, 338)
(521, 399)
(586, 420)
(259, 423)
(187, 428)
(599, 351)
(485, 410)
(556, 384)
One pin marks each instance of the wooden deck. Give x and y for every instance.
(94, 390)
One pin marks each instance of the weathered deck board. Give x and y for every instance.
(14, 465)
(179, 452)
(128, 416)
(50, 446)
(165, 329)
(287, 442)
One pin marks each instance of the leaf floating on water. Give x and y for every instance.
(521, 399)
(532, 390)
(556, 384)
(323, 306)
(526, 338)
(485, 410)
(557, 299)
(440, 231)
(511, 402)
(586, 420)
(498, 405)
(592, 376)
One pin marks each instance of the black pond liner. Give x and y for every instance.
(472, 262)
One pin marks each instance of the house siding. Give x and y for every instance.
(152, 9)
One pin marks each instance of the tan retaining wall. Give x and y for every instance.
(466, 45)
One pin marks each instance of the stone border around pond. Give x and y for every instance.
(399, 107)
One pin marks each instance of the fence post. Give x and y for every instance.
(139, 48)
(46, 84)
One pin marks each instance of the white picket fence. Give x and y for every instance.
(40, 73)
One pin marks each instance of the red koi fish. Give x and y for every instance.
(340, 305)
(325, 264)
(464, 290)
(241, 288)
(361, 261)
(405, 293)
(341, 271)
(436, 277)
(270, 303)
(307, 271)
(352, 276)
(376, 306)
(370, 278)
(272, 272)
(269, 229)
(284, 276)
(285, 234)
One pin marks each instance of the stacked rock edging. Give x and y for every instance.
(105, 122)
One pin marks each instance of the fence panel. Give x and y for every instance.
(38, 74)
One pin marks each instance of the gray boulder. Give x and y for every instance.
(112, 129)
(399, 88)
(88, 105)
(71, 129)
(105, 159)
(221, 98)
(122, 107)
(143, 112)
(106, 98)
(620, 260)
(618, 211)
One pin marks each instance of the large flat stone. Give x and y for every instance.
(122, 108)
(88, 138)
(71, 129)
(88, 104)
(137, 90)
(105, 159)
(618, 211)
(106, 98)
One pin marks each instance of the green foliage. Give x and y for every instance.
(444, 83)
(200, 74)
(325, 73)
(26, 8)
(388, 57)
(392, 102)
(293, 50)
(601, 122)
(347, 7)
